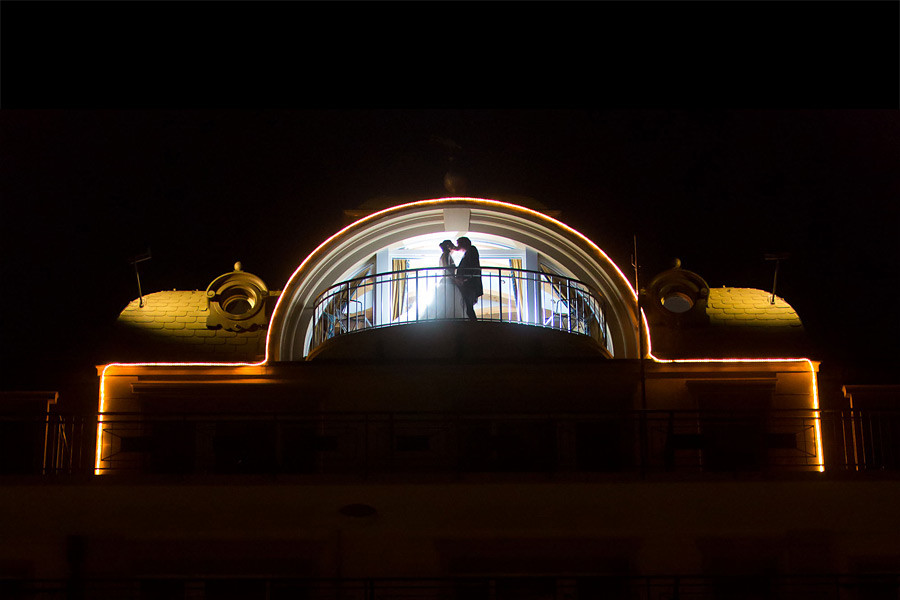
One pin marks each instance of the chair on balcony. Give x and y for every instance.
(343, 321)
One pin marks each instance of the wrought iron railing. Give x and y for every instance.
(423, 442)
(486, 587)
(45, 444)
(452, 444)
(416, 295)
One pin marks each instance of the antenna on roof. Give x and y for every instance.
(134, 260)
(777, 257)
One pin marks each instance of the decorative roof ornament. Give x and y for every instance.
(679, 296)
(237, 301)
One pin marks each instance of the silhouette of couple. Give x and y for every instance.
(460, 286)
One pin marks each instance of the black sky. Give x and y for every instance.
(86, 187)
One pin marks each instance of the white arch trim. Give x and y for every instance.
(333, 257)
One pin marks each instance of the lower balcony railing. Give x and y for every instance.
(572, 587)
(416, 295)
(433, 443)
(361, 444)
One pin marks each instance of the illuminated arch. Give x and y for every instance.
(551, 238)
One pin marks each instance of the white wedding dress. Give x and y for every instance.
(448, 301)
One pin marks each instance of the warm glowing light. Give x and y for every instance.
(643, 323)
(437, 202)
(814, 388)
(312, 255)
(818, 420)
(814, 385)
(102, 405)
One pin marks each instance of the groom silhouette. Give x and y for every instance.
(468, 274)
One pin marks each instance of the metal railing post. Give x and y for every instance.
(347, 309)
(500, 293)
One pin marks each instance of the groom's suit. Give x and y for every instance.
(469, 270)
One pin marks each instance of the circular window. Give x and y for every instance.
(677, 302)
(237, 301)
(678, 296)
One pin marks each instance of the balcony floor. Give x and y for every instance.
(462, 341)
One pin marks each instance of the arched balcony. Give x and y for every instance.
(379, 272)
(514, 296)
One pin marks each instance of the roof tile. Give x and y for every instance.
(170, 320)
(747, 307)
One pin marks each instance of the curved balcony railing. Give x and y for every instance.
(415, 295)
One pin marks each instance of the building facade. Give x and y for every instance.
(581, 439)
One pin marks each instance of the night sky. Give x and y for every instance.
(84, 188)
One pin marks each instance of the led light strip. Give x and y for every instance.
(437, 202)
(493, 203)
(812, 374)
(102, 406)
(814, 385)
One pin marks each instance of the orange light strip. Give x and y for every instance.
(102, 405)
(522, 209)
(439, 201)
(375, 215)
(814, 385)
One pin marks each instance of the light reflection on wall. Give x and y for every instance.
(101, 413)
(643, 325)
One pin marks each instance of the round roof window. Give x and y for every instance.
(677, 302)
(238, 301)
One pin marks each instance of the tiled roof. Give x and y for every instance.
(740, 322)
(747, 307)
(171, 325)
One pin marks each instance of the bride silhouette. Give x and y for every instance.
(448, 301)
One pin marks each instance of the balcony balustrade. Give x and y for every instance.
(417, 295)
(451, 445)
(456, 443)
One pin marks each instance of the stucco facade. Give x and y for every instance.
(522, 450)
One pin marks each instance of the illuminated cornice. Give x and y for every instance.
(102, 403)
(644, 326)
(812, 371)
(814, 385)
